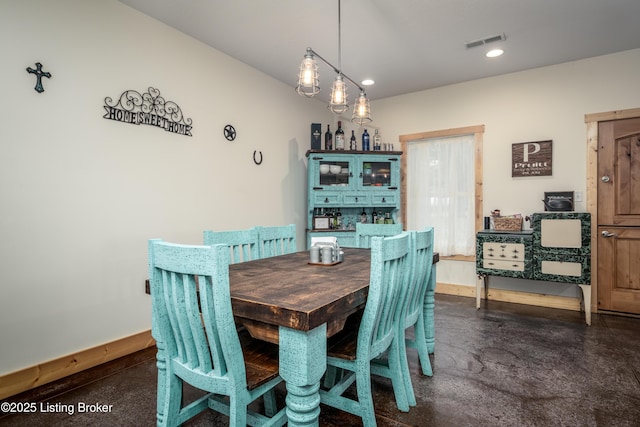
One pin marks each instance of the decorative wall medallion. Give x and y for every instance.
(148, 108)
(39, 75)
(229, 132)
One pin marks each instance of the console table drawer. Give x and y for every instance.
(503, 251)
(561, 268)
(503, 264)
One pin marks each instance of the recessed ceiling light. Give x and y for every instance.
(367, 82)
(494, 53)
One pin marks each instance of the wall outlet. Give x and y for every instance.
(578, 196)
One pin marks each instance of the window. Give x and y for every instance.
(442, 187)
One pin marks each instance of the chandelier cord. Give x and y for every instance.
(339, 40)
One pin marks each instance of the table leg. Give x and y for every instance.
(481, 282)
(586, 298)
(429, 317)
(303, 361)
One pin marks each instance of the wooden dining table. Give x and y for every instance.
(298, 305)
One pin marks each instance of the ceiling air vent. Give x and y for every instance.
(486, 40)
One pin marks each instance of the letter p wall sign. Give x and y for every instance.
(531, 159)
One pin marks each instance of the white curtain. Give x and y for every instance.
(440, 192)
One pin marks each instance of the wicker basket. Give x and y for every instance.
(504, 223)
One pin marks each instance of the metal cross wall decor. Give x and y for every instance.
(39, 75)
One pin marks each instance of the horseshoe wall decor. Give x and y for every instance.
(229, 132)
(254, 157)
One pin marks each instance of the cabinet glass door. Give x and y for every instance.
(334, 173)
(377, 173)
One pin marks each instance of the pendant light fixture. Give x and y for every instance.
(309, 83)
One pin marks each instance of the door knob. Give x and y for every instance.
(607, 234)
(605, 179)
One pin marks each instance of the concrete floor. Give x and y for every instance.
(503, 365)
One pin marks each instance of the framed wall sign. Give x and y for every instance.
(531, 158)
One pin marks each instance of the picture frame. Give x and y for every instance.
(558, 201)
(321, 222)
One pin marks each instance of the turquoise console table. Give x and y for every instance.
(556, 249)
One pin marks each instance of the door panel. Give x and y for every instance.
(619, 268)
(619, 215)
(619, 172)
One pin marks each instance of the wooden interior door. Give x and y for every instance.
(619, 215)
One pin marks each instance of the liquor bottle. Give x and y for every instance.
(353, 145)
(363, 217)
(374, 217)
(365, 141)
(328, 136)
(377, 144)
(339, 137)
(338, 220)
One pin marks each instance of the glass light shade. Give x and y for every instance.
(361, 110)
(338, 102)
(308, 82)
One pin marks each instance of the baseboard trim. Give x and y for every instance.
(44, 373)
(517, 297)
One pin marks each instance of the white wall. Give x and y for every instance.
(539, 104)
(81, 194)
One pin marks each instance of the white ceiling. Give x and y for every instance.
(404, 45)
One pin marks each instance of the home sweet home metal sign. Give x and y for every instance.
(147, 108)
(531, 159)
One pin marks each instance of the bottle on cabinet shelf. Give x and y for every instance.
(328, 139)
(353, 145)
(377, 141)
(365, 141)
(339, 137)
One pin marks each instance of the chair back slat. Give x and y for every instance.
(192, 311)
(364, 232)
(185, 312)
(278, 240)
(388, 263)
(243, 244)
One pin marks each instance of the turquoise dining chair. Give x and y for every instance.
(409, 313)
(243, 244)
(423, 268)
(198, 344)
(277, 240)
(353, 349)
(364, 232)
(411, 308)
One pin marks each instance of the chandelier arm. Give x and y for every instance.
(335, 69)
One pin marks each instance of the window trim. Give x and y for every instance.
(478, 132)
